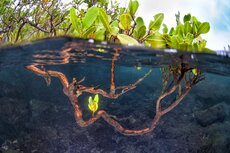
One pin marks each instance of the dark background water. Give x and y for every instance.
(37, 118)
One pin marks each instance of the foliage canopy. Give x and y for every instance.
(102, 20)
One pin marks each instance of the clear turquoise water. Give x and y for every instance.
(38, 118)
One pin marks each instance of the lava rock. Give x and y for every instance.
(14, 111)
(216, 113)
(38, 107)
(10, 147)
(14, 114)
(8, 90)
(217, 138)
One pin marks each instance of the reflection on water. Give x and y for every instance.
(164, 98)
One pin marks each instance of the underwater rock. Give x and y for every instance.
(38, 107)
(13, 111)
(10, 147)
(8, 90)
(220, 137)
(217, 138)
(216, 113)
(14, 114)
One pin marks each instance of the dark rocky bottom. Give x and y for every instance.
(36, 126)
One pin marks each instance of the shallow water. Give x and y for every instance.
(35, 117)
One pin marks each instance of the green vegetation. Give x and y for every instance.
(32, 19)
(93, 103)
(101, 20)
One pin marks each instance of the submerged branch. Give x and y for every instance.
(74, 90)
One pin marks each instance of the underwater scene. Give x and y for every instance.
(82, 96)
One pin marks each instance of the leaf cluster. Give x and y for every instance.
(129, 29)
(187, 35)
(101, 20)
(93, 103)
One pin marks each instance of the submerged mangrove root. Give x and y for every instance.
(73, 90)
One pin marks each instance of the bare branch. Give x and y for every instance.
(19, 31)
(35, 25)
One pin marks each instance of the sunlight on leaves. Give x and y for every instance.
(100, 21)
(133, 6)
(93, 103)
(125, 21)
(127, 40)
(90, 17)
(156, 24)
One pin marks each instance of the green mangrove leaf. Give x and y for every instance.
(96, 98)
(89, 32)
(187, 17)
(189, 37)
(100, 35)
(183, 46)
(165, 28)
(172, 31)
(196, 46)
(140, 28)
(93, 107)
(195, 26)
(114, 28)
(187, 27)
(141, 31)
(194, 30)
(125, 21)
(139, 21)
(90, 17)
(109, 18)
(180, 30)
(133, 6)
(194, 71)
(194, 20)
(167, 39)
(98, 23)
(127, 40)
(114, 23)
(93, 103)
(74, 19)
(190, 47)
(155, 41)
(175, 41)
(202, 44)
(104, 19)
(156, 24)
(90, 100)
(203, 28)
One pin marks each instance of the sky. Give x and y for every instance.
(216, 12)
